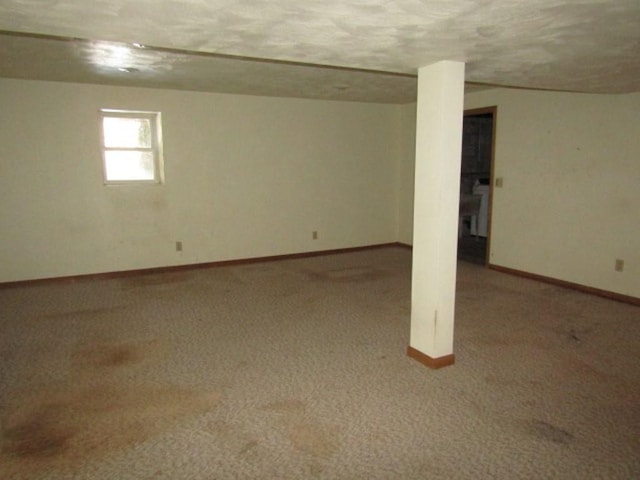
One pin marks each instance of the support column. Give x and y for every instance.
(435, 218)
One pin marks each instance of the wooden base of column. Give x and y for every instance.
(430, 362)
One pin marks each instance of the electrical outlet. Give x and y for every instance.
(619, 265)
(314, 235)
(178, 246)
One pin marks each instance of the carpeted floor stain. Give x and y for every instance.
(573, 334)
(60, 427)
(232, 438)
(247, 447)
(109, 355)
(95, 412)
(549, 432)
(349, 274)
(39, 435)
(574, 366)
(314, 438)
(304, 434)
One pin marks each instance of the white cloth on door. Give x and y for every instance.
(479, 223)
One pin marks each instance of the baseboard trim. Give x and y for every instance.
(192, 266)
(431, 362)
(562, 283)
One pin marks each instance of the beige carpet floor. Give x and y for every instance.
(297, 369)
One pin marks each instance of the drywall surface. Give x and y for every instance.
(406, 175)
(245, 177)
(570, 201)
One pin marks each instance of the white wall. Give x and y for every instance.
(406, 173)
(570, 204)
(245, 177)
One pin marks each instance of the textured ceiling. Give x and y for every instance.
(112, 63)
(363, 50)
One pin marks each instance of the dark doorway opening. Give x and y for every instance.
(476, 179)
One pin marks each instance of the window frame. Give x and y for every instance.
(155, 148)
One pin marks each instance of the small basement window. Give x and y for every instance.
(131, 147)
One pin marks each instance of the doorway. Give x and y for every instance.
(476, 174)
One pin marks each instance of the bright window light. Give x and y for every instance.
(131, 147)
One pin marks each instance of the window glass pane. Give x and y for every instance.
(127, 132)
(128, 165)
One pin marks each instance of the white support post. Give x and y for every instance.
(440, 111)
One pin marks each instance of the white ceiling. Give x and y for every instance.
(362, 50)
